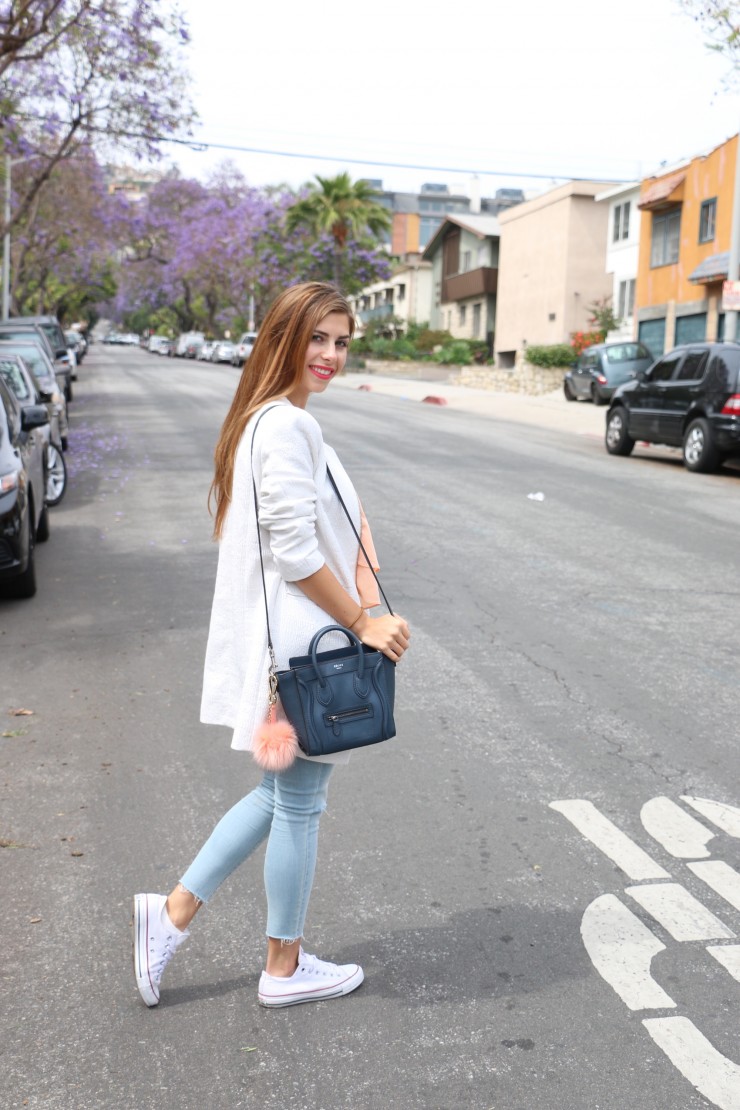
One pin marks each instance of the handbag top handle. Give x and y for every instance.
(259, 542)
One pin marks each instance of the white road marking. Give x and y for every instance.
(610, 840)
(713, 1075)
(680, 914)
(728, 955)
(621, 949)
(723, 816)
(680, 834)
(722, 878)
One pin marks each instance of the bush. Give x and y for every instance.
(392, 348)
(425, 340)
(457, 353)
(553, 354)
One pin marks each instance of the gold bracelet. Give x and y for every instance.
(354, 622)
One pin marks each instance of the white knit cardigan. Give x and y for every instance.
(302, 526)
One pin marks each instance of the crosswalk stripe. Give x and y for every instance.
(680, 914)
(723, 816)
(621, 949)
(729, 956)
(713, 1075)
(610, 840)
(722, 878)
(679, 833)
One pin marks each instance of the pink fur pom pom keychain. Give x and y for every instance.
(275, 744)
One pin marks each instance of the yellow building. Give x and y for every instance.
(684, 250)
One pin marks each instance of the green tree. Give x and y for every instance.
(603, 317)
(342, 208)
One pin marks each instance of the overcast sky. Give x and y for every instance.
(574, 88)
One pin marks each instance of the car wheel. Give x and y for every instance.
(42, 529)
(618, 440)
(56, 475)
(699, 451)
(568, 391)
(24, 585)
(596, 396)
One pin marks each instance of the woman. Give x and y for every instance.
(311, 580)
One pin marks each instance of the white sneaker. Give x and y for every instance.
(155, 942)
(311, 981)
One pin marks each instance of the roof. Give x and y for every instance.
(662, 192)
(484, 227)
(618, 191)
(713, 268)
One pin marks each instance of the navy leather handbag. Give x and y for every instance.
(340, 699)
(335, 700)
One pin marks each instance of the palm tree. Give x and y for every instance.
(341, 207)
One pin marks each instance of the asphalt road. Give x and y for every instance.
(583, 646)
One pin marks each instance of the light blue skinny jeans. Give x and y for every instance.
(284, 809)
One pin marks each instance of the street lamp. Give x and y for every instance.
(9, 163)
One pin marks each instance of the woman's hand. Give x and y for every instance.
(389, 634)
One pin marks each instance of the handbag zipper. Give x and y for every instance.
(333, 718)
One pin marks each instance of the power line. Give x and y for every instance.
(198, 146)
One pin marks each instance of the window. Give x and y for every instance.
(476, 321)
(626, 305)
(466, 261)
(692, 367)
(707, 220)
(621, 228)
(400, 293)
(462, 313)
(666, 233)
(663, 370)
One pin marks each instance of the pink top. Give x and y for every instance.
(367, 587)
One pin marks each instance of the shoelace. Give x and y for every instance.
(312, 965)
(158, 967)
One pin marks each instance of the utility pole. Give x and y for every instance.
(6, 242)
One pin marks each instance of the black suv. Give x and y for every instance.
(689, 398)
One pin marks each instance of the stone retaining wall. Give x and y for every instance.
(525, 378)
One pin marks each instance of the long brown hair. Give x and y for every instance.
(272, 370)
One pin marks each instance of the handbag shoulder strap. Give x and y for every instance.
(368, 560)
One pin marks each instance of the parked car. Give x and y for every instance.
(206, 350)
(27, 390)
(52, 329)
(243, 348)
(158, 344)
(76, 341)
(24, 516)
(223, 351)
(186, 338)
(689, 398)
(38, 362)
(34, 333)
(602, 368)
(192, 348)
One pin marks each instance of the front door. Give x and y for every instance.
(679, 395)
(648, 399)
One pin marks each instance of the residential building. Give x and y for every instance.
(405, 298)
(417, 216)
(551, 268)
(464, 253)
(684, 249)
(622, 253)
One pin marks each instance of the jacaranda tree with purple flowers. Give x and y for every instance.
(109, 73)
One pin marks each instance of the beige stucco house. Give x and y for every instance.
(464, 257)
(551, 267)
(405, 297)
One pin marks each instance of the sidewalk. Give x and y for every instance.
(550, 410)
